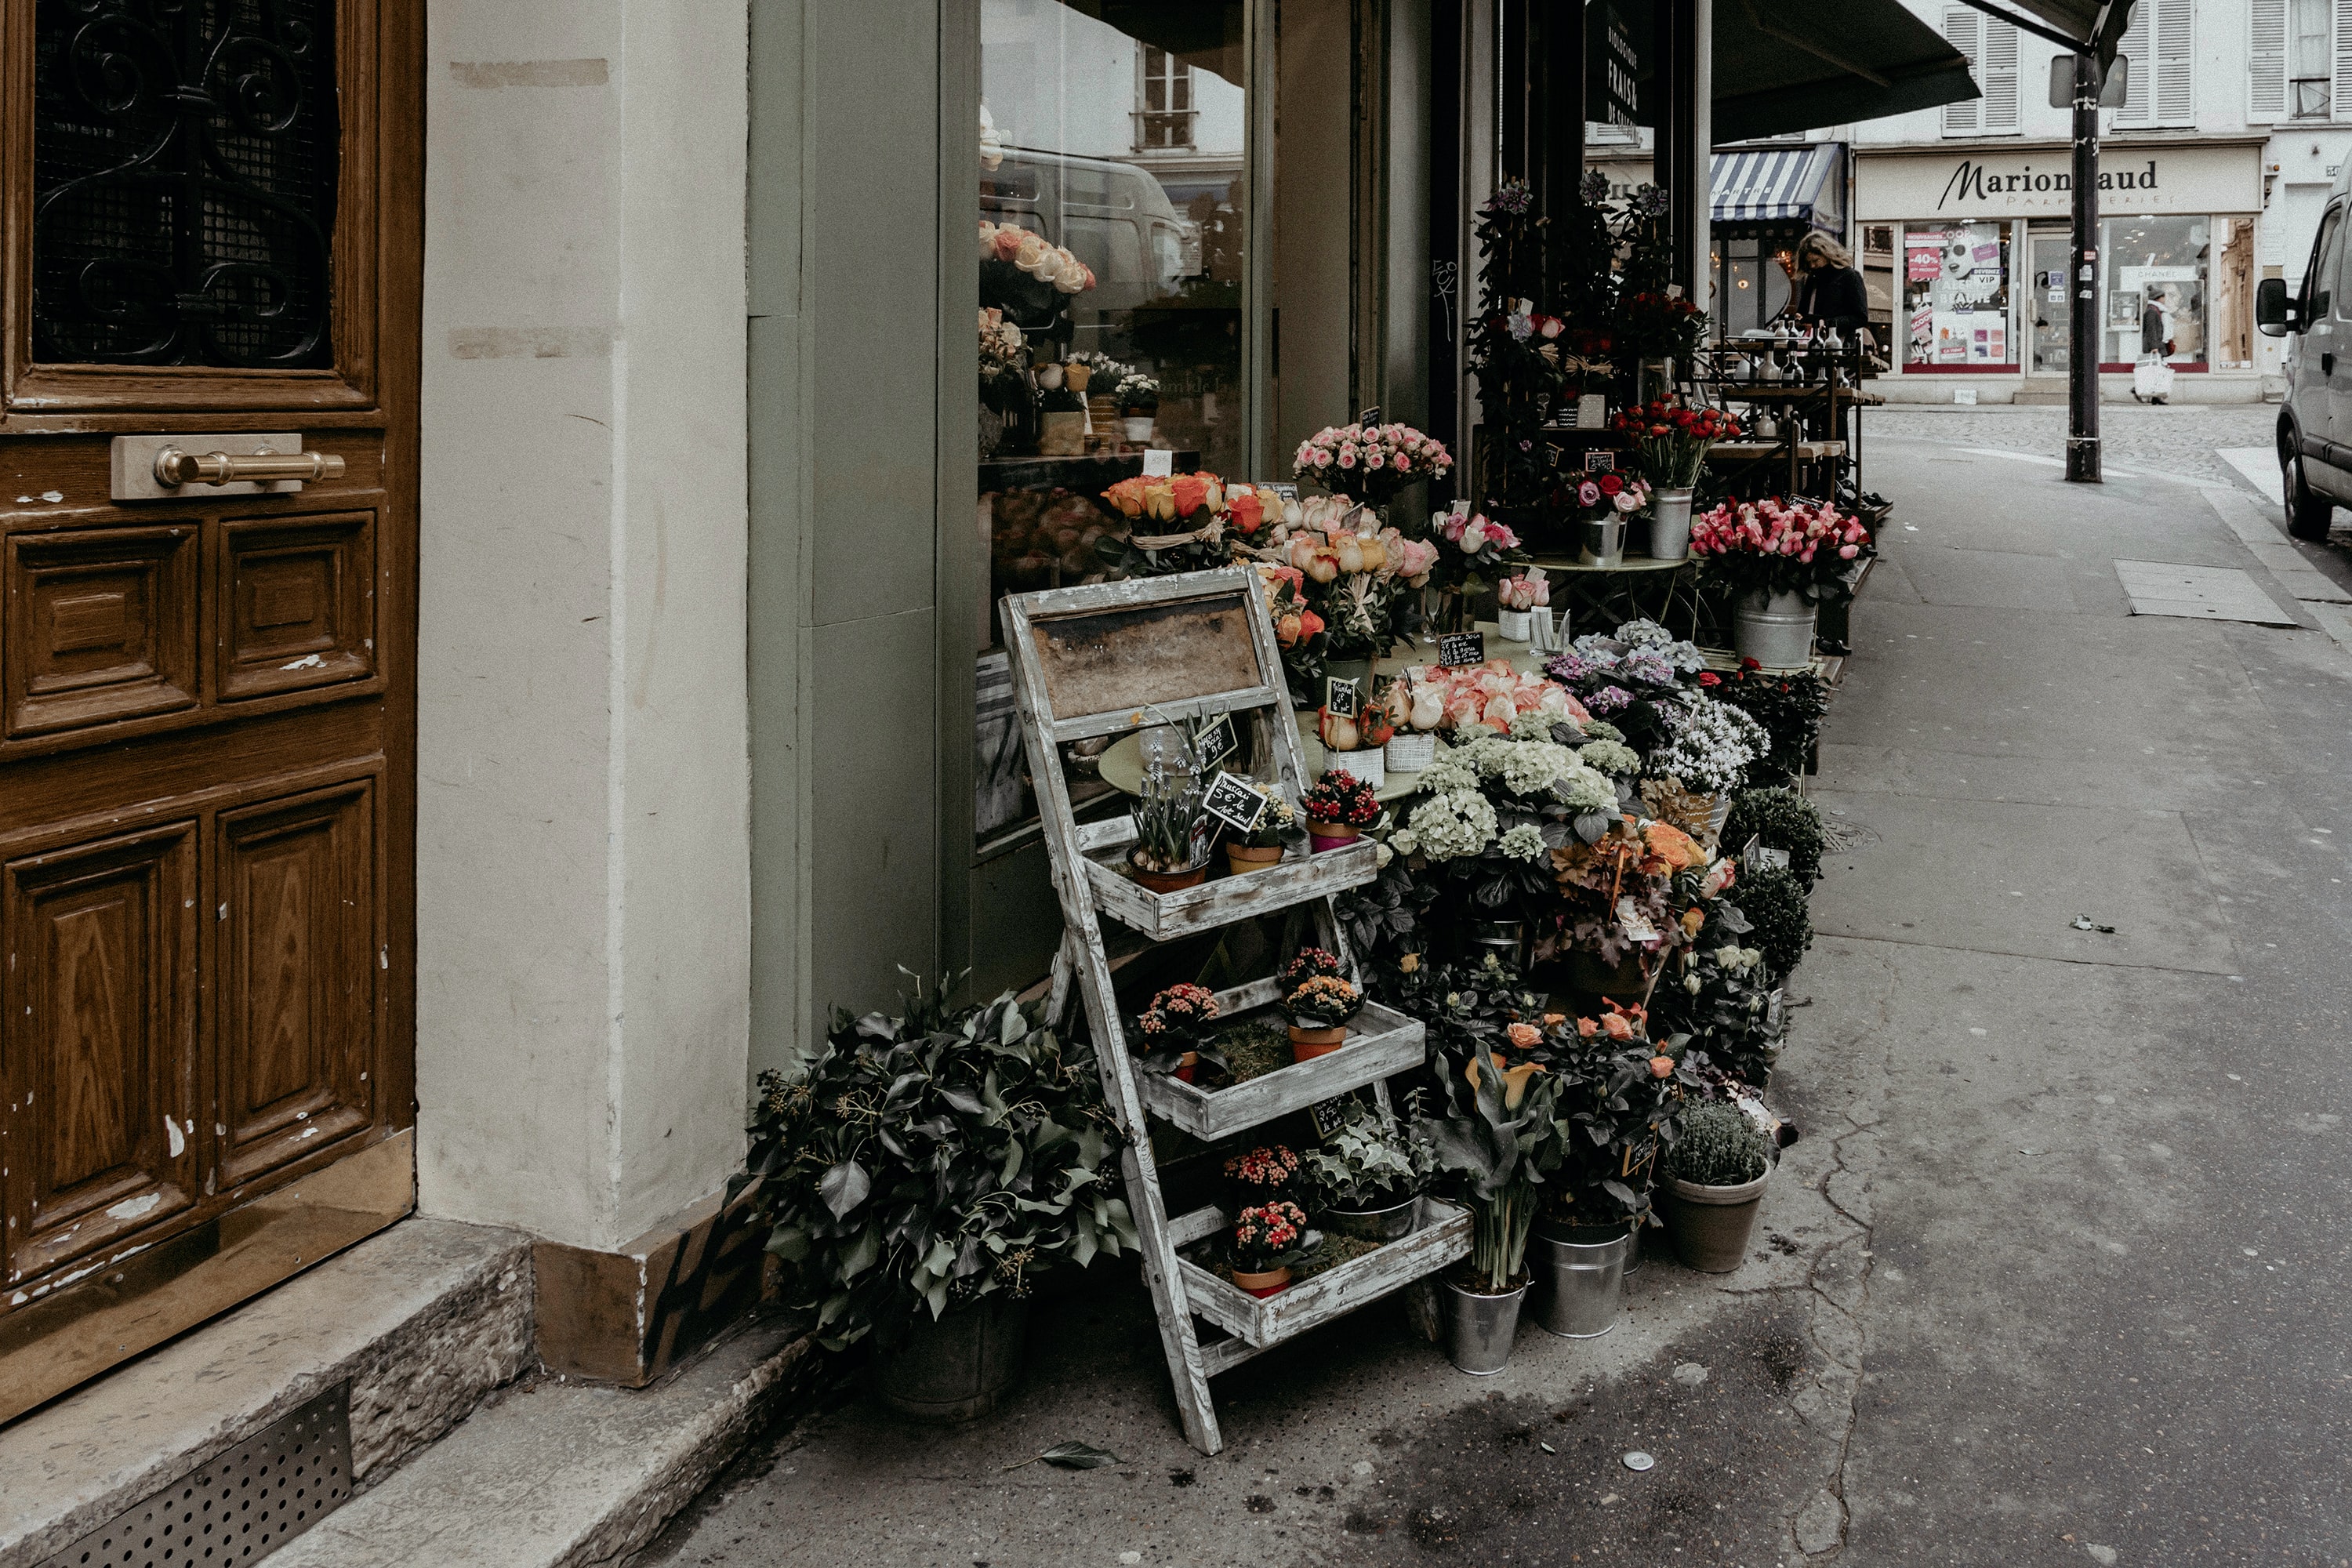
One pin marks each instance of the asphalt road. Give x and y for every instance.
(2056, 1275)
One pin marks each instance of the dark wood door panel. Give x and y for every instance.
(102, 627)
(295, 971)
(98, 1041)
(296, 603)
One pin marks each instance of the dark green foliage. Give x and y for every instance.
(1716, 1000)
(1774, 903)
(1719, 1147)
(1790, 706)
(928, 1160)
(1783, 819)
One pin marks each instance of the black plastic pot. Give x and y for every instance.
(957, 1367)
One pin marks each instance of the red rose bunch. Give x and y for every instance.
(1672, 440)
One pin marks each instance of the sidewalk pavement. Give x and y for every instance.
(2056, 1274)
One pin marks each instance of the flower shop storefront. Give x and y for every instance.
(1980, 237)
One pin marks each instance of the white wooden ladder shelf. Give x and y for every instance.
(1090, 662)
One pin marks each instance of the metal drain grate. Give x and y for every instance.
(240, 1508)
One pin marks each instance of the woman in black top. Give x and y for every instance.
(1829, 290)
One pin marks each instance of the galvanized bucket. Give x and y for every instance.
(1670, 517)
(1478, 1329)
(1601, 540)
(1393, 1222)
(1776, 630)
(1587, 1279)
(956, 1367)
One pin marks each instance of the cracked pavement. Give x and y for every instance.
(2055, 1274)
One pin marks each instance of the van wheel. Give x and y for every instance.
(2307, 515)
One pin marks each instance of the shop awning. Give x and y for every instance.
(1776, 184)
(1795, 65)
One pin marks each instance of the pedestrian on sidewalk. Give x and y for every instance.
(2152, 377)
(1829, 290)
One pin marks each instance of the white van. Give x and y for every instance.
(2315, 428)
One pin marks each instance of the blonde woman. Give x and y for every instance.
(1829, 290)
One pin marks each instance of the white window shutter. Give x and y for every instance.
(2176, 46)
(2266, 60)
(2340, 93)
(1997, 74)
(1962, 31)
(2138, 79)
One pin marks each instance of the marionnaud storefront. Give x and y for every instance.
(1970, 245)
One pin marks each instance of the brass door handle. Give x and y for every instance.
(175, 467)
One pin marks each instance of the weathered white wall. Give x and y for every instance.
(583, 887)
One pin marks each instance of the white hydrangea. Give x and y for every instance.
(1684, 656)
(1403, 841)
(1453, 770)
(1536, 724)
(1523, 842)
(1453, 826)
(1611, 757)
(1583, 791)
(1713, 745)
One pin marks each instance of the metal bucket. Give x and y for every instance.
(1478, 1329)
(957, 1367)
(1776, 630)
(1588, 1281)
(1393, 1222)
(1601, 540)
(1670, 517)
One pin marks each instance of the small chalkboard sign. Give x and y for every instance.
(1213, 738)
(1330, 1115)
(1369, 416)
(1339, 695)
(1599, 462)
(1286, 489)
(1454, 648)
(1236, 802)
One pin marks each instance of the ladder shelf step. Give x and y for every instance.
(1380, 1043)
(1223, 900)
(1441, 1237)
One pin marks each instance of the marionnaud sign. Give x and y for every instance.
(2038, 182)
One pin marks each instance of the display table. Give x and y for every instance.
(1600, 598)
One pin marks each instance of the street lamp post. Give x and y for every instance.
(2083, 360)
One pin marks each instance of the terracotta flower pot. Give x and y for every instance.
(1168, 881)
(1305, 1045)
(1242, 857)
(1187, 1065)
(1264, 1284)
(1710, 1226)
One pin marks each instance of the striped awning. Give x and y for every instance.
(1752, 184)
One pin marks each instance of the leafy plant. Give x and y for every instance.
(1371, 1161)
(1782, 819)
(1619, 1102)
(1166, 810)
(1719, 1002)
(1178, 1021)
(1774, 902)
(1791, 706)
(1720, 1147)
(1497, 1141)
(928, 1160)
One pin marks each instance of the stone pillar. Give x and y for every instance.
(582, 878)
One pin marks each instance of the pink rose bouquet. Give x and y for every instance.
(1779, 547)
(1374, 461)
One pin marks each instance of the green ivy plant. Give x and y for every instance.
(1372, 1161)
(925, 1161)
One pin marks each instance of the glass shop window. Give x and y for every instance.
(1112, 162)
(1956, 297)
(2157, 270)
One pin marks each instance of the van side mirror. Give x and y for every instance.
(2273, 311)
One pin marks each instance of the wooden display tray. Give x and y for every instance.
(1380, 1043)
(1298, 878)
(1441, 1236)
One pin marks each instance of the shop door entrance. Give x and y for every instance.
(2050, 306)
(211, 234)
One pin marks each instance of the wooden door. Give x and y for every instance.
(211, 229)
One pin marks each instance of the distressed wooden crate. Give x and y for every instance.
(1441, 1236)
(1220, 900)
(1382, 1043)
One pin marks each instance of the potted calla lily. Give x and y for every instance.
(1498, 1142)
(1318, 1009)
(1267, 1239)
(1172, 1035)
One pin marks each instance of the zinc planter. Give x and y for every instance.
(1670, 517)
(956, 1367)
(1393, 1222)
(1710, 1226)
(1776, 630)
(1586, 1273)
(1478, 1329)
(1601, 540)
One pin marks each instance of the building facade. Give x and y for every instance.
(2213, 169)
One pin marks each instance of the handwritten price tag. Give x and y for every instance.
(1456, 648)
(1237, 802)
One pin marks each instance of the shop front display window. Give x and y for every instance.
(1112, 161)
(2153, 289)
(1956, 297)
